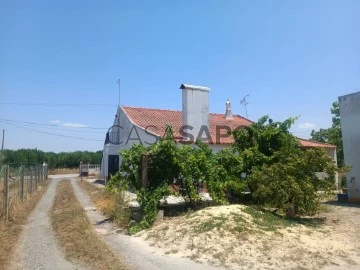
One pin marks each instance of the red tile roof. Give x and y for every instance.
(310, 143)
(155, 120)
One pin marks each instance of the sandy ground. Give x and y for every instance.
(134, 251)
(332, 245)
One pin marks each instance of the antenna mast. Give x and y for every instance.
(3, 138)
(118, 82)
(244, 102)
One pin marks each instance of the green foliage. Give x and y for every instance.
(265, 158)
(54, 160)
(258, 143)
(278, 171)
(332, 135)
(215, 222)
(189, 168)
(2, 158)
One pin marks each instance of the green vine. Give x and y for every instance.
(265, 159)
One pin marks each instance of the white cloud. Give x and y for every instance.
(74, 125)
(71, 125)
(55, 122)
(306, 126)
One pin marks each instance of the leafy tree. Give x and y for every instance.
(332, 135)
(54, 160)
(2, 158)
(278, 171)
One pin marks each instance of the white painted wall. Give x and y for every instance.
(350, 128)
(195, 108)
(130, 134)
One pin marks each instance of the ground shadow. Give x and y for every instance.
(344, 204)
(308, 221)
(99, 182)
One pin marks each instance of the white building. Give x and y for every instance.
(350, 128)
(142, 125)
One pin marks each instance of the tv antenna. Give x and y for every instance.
(119, 83)
(244, 102)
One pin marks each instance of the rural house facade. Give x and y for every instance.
(145, 126)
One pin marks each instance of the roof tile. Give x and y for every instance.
(155, 120)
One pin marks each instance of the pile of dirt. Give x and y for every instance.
(238, 235)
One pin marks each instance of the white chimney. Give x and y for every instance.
(195, 110)
(228, 113)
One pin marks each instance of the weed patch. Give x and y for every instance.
(10, 231)
(215, 222)
(75, 234)
(112, 205)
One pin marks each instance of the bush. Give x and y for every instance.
(278, 171)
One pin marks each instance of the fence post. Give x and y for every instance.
(6, 191)
(81, 170)
(144, 171)
(22, 182)
(31, 178)
(37, 177)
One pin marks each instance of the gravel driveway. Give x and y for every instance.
(134, 251)
(38, 248)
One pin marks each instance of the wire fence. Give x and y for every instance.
(17, 183)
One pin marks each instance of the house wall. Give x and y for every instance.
(129, 134)
(350, 129)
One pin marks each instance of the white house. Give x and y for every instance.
(142, 125)
(350, 128)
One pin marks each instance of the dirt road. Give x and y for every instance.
(38, 248)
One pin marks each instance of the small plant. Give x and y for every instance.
(215, 222)
(267, 220)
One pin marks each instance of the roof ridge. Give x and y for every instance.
(132, 107)
(172, 110)
(314, 141)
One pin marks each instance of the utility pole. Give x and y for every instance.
(3, 138)
(244, 102)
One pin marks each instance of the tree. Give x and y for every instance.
(278, 171)
(2, 158)
(54, 160)
(332, 135)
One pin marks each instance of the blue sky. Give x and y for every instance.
(291, 57)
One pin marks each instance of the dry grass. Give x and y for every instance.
(111, 205)
(10, 231)
(63, 171)
(75, 233)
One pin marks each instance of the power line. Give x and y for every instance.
(65, 129)
(56, 134)
(51, 125)
(58, 104)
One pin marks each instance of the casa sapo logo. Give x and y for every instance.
(118, 135)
